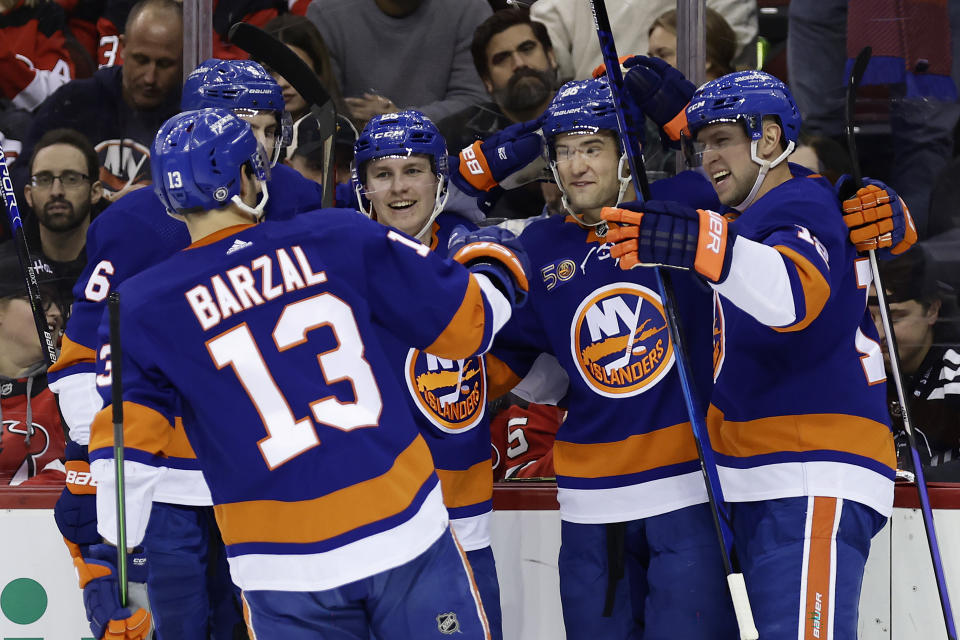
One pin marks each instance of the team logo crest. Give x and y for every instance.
(620, 340)
(452, 394)
(220, 194)
(719, 340)
(448, 624)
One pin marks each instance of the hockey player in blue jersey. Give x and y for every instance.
(798, 417)
(401, 178)
(269, 339)
(188, 583)
(638, 556)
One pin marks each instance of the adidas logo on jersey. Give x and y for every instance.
(237, 245)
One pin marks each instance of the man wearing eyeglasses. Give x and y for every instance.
(63, 192)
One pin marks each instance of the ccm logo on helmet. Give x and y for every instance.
(392, 133)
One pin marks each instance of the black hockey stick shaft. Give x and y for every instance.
(47, 340)
(735, 582)
(856, 74)
(116, 407)
(265, 48)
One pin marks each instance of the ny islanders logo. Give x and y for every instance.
(452, 394)
(719, 339)
(620, 340)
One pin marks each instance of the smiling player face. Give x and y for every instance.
(402, 191)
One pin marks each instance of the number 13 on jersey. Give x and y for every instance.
(286, 436)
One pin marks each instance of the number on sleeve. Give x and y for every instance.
(288, 437)
(871, 356)
(98, 286)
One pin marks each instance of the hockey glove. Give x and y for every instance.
(659, 232)
(497, 254)
(96, 568)
(659, 90)
(501, 159)
(877, 217)
(76, 509)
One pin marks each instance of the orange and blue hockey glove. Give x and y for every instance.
(76, 510)
(496, 253)
(877, 217)
(660, 91)
(659, 232)
(96, 568)
(498, 160)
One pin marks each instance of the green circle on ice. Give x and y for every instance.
(23, 601)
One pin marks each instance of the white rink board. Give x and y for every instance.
(526, 545)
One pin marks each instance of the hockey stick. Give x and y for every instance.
(26, 263)
(856, 74)
(265, 48)
(708, 465)
(116, 399)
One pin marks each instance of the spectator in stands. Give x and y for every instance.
(571, 28)
(912, 54)
(514, 58)
(390, 55)
(822, 155)
(64, 193)
(120, 109)
(225, 14)
(721, 42)
(31, 434)
(34, 60)
(303, 39)
(721, 46)
(922, 311)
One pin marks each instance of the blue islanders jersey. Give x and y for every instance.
(269, 339)
(626, 449)
(798, 409)
(131, 235)
(449, 403)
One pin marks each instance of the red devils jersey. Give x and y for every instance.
(522, 438)
(33, 57)
(30, 449)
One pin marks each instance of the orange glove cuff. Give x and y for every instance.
(79, 479)
(497, 252)
(474, 168)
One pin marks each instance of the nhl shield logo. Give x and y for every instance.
(452, 394)
(620, 341)
(448, 624)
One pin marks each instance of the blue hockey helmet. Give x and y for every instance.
(401, 135)
(197, 157)
(745, 96)
(584, 106)
(237, 84)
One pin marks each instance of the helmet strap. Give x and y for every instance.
(623, 175)
(566, 203)
(439, 201)
(257, 211)
(765, 166)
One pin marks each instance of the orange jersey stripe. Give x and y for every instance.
(179, 446)
(143, 429)
(642, 452)
(72, 353)
(467, 487)
(462, 337)
(333, 514)
(816, 290)
(819, 559)
(811, 432)
(500, 378)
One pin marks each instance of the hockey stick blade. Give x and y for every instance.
(856, 75)
(265, 48)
